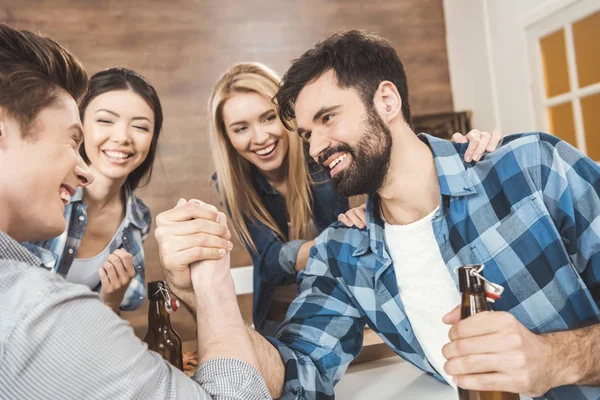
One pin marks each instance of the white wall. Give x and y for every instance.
(488, 62)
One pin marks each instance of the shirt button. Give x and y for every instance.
(81, 217)
(70, 251)
(125, 238)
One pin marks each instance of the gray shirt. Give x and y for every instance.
(59, 341)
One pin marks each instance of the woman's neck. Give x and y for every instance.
(103, 192)
(278, 179)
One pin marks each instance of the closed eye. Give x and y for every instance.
(143, 128)
(270, 118)
(104, 121)
(240, 129)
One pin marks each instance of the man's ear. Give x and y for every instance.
(388, 101)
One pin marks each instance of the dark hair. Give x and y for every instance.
(33, 69)
(113, 79)
(360, 61)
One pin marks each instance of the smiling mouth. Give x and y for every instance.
(335, 165)
(266, 150)
(337, 161)
(65, 193)
(117, 155)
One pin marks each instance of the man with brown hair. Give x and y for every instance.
(57, 339)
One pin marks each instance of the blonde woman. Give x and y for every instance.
(278, 197)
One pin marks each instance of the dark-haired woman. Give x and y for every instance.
(106, 222)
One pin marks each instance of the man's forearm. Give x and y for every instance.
(269, 359)
(221, 329)
(575, 355)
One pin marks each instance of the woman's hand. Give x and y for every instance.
(115, 275)
(479, 143)
(354, 217)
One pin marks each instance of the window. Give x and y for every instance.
(565, 67)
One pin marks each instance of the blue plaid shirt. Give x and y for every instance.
(57, 254)
(530, 211)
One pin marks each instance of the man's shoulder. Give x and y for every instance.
(520, 150)
(337, 236)
(24, 287)
(524, 144)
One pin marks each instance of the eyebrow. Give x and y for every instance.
(108, 111)
(261, 116)
(118, 116)
(322, 111)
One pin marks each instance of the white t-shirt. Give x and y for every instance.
(426, 288)
(85, 270)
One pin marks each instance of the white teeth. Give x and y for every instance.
(116, 154)
(65, 195)
(266, 150)
(337, 161)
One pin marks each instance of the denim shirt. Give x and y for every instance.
(274, 259)
(58, 254)
(530, 211)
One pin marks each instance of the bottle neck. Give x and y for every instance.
(158, 315)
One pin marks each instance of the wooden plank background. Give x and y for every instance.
(183, 46)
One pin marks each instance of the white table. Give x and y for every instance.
(391, 378)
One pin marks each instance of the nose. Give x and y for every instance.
(261, 136)
(83, 173)
(318, 144)
(120, 134)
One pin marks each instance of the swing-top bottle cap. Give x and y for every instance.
(468, 282)
(155, 290)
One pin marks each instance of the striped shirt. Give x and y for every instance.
(530, 211)
(58, 254)
(58, 341)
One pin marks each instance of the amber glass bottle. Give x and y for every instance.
(473, 302)
(161, 337)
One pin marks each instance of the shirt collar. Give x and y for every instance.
(134, 213)
(452, 177)
(10, 249)
(451, 170)
(260, 182)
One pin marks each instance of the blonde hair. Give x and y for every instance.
(234, 172)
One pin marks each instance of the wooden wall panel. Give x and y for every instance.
(183, 46)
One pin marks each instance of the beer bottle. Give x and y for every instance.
(474, 301)
(160, 336)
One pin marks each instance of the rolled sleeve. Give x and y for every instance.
(268, 255)
(228, 378)
(288, 255)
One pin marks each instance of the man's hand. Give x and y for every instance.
(479, 143)
(212, 272)
(115, 275)
(494, 351)
(185, 234)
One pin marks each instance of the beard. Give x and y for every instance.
(370, 158)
